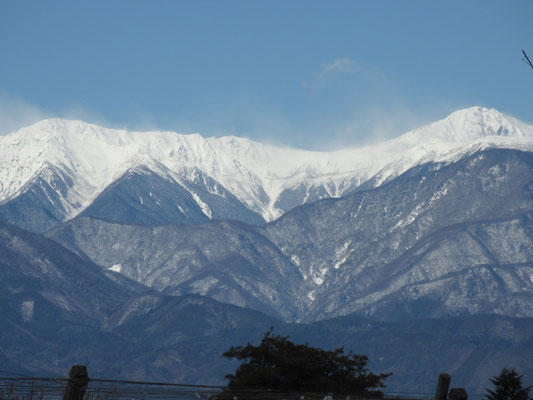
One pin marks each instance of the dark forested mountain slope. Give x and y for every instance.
(52, 301)
(36, 267)
(431, 242)
(470, 348)
(227, 261)
(141, 196)
(60, 309)
(436, 241)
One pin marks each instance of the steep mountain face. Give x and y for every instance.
(436, 241)
(35, 269)
(141, 196)
(65, 166)
(40, 205)
(457, 239)
(215, 201)
(51, 300)
(227, 261)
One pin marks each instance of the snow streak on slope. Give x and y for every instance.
(269, 180)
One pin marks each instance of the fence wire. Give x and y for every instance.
(32, 388)
(26, 388)
(101, 389)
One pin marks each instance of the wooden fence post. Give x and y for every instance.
(78, 380)
(442, 387)
(458, 394)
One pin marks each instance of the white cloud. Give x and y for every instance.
(339, 65)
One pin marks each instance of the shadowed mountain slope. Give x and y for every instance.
(436, 241)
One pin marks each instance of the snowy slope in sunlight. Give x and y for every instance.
(267, 179)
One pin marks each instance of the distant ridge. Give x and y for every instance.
(68, 164)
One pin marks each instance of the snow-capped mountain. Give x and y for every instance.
(63, 165)
(434, 224)
(436, 241)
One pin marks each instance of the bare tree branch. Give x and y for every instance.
(526, 59)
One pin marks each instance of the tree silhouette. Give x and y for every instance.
(508, 386)
(279, 364)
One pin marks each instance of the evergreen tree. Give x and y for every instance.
(508, 386)
(279, 364)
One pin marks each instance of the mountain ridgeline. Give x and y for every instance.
(436, 241)
(57, 169)
(150, 246)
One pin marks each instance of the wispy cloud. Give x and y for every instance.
(359, 105)
(339, 65)
(15, 113)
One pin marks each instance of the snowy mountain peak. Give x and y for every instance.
(269, 180)
(487, 122)
(472, 124)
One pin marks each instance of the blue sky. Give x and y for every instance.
(310, 74)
